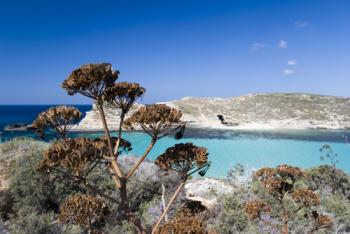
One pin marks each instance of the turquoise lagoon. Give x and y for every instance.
(251, 149)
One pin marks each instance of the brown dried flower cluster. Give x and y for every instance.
(74, 155)
(279, 180)
(181, 225)
(154, 118)
(293, 173)
(321, 221)
(123, 94)
(91, 80)
(183, 158)
(306, 197)
(102, 144)
(83, 210)
(58, 118)
(254, 208)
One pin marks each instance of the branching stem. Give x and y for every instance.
(168, 207)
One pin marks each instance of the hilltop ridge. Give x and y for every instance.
(252, 111)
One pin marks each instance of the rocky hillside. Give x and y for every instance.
(254, 111)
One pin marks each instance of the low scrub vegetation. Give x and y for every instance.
(31, 204)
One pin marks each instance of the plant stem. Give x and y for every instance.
(114, 163)
(125, 206)
(163, 202)
(149, 148)
(122, 116)
(168, 207)
(120, 180)
(285, 229)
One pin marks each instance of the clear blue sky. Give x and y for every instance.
(176, 48)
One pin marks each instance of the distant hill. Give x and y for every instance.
(256, 111)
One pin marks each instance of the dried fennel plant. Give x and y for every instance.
(59, 119)
(185, 159)
(280, 183)
(76, 158)
(83, 210)
(189, 219)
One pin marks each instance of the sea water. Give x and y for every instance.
(252, 149)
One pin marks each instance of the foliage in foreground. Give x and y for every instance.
(78, 159)
(29, 204)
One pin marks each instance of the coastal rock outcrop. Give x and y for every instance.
(254, 111)
(92, 120)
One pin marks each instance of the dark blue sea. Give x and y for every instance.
(11, 114)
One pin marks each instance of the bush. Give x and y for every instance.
(340, 208)
(6, 204)
(231, 218)
(29, 221)
(31, 188)
(320, 178)
(31, 199)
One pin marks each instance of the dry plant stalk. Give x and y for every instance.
(157, 121)
(123, 95)
(185, 159)
(76, 158)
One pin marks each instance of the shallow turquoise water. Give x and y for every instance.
(253, 150)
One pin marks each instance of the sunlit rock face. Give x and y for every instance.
(207, 191)
(254, 111)
(92, 120)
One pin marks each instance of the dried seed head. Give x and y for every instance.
(91, 80)
(58, 118)
(154, 116)
(82, 210)
(289, 171)
(321, 221)
(254, 208)
(306, 197)
(324, 221)
(183, 158)
(102, 144)
(193, 225)
(74, 155)
(123, 94)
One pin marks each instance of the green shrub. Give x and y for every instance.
(31, 188)
(320, 178)
(340, 208)
(29, 221)
(6, 204)
(232, 218)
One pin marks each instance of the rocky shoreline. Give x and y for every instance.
(249, 112)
